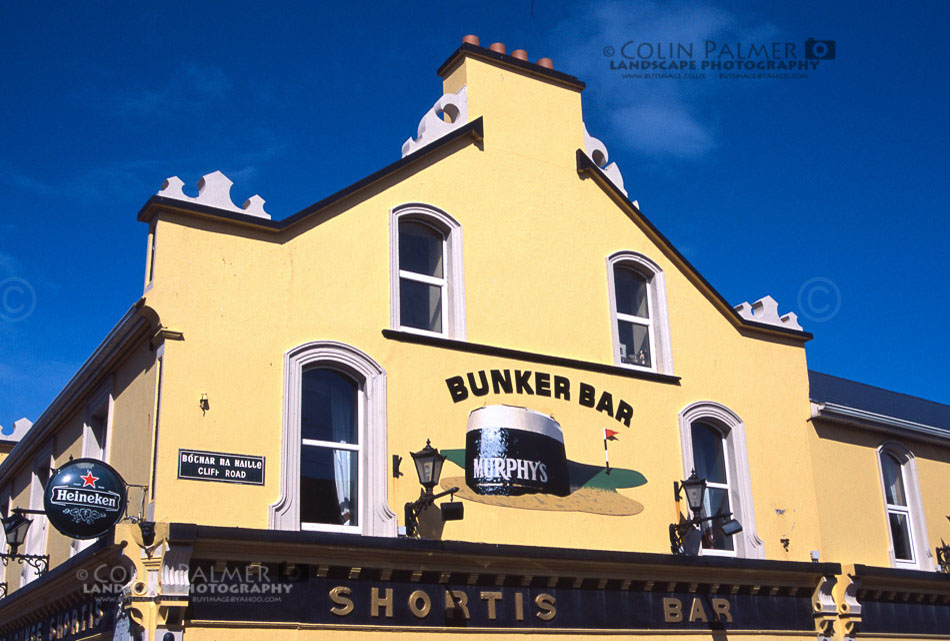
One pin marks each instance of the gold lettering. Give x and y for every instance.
(721, 608)
(344, 605)
(456, 599)
(546, 609)
(491, 598)
(414, 598)
(386, 602)
(519, 606)
(672, 610)
(697, 612)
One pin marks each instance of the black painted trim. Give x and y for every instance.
(533, 357)
(482, 52)
(190, 532)
(899, 574)
(474, 130)
(587, 166)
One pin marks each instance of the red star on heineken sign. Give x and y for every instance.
(89, 479)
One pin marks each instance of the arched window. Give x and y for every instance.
(427, 283)
(713, 444)
(640, 325)
(333, 472)
(903, 508)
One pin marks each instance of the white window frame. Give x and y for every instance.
(37, 536)
(375, 517)
(101, 403)
(747, 543)
(919, 540)
(661, 352)
(453, 281)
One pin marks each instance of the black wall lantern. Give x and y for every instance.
(429, 462)
(686, 536)
(15, 528)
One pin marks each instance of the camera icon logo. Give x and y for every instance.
(819, 49)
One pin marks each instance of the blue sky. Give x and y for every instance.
(826, 192)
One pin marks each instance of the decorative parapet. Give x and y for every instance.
(597, 151)
(214, 190)
(765, 310)
(434, 125)
(17, 431)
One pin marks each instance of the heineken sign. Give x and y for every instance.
(85, 498)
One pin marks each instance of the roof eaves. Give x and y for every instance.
(125, 332)
(474, 130)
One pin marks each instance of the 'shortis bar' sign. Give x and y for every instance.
(197, 465)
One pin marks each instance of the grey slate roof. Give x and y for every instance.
(825, 388)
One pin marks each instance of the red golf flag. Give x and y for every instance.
(610, 435)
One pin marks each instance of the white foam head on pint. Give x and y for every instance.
(516, 418)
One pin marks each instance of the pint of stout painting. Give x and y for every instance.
(511, 451)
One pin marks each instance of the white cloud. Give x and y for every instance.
(654, 117)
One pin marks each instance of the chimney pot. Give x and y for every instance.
(547, 63)
(520, 54)
(498, 47)
(470, 39)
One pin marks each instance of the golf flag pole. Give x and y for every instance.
(609, 435)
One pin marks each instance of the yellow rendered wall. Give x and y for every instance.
(129, 436)
(536, 239)
(850, 501)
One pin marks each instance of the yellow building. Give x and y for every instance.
(496, 293)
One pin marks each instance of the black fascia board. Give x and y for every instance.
(334, 539)
(585, 165)
(900, 574)
(481, 52)
(474, 129)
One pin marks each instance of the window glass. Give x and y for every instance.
(328, 485)
(328, 475)
(634, 343)
(420, 249)
(717, 502)
(328, 407)
(708, 456)
(900, 532)
(631, 292)
(420, 305)
(893, 481)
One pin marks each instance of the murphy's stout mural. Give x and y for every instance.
(511, 451)
(518, 457)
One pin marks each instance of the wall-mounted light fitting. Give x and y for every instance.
(204, 404)
(685, 536)
(429, 462)
(15, 528)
